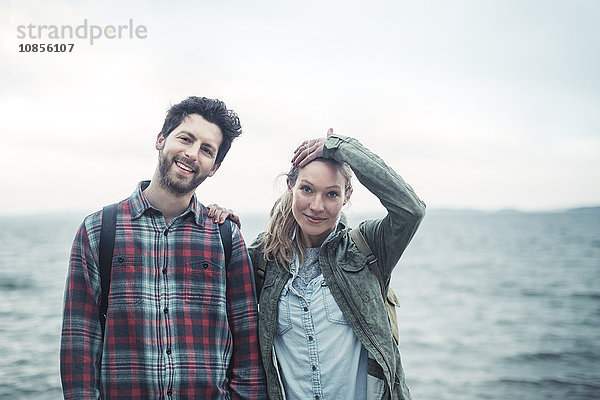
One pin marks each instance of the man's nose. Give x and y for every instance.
(191, 152)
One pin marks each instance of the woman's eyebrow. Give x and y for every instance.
(304, 180)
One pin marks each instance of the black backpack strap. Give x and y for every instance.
(106, 246)
(225, 231)
(259, 274)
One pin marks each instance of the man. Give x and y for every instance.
(180, 323)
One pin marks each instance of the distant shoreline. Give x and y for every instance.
(430, 211)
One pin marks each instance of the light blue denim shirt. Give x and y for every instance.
(319, 355)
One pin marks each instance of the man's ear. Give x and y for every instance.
(160, 141)
(347, 199)
(214, 169)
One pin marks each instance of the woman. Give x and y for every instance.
(324, 330)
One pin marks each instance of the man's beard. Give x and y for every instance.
(174, 185)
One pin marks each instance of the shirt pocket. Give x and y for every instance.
(284, 319)
(203, 282)
(334, 314)
(127, 276)
(204, 267)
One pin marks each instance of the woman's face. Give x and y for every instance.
(317, 200)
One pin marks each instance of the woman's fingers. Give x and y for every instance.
(219, 214)
(236, 220)
(302, 149)
(308, 151)
(301, 152)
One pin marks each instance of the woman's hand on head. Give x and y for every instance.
(219, 214)
(309, 150)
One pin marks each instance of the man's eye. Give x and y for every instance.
(207, 151)
(185, 139)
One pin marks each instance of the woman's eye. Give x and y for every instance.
(333, 194)
(305, 189)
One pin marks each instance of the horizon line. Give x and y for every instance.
(504, 210)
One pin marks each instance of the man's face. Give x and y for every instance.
(187, 155)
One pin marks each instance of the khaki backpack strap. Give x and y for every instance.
(364, 248)
(389, 299)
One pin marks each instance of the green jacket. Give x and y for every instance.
(354, 287)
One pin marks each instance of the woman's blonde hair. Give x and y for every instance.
(277, 243)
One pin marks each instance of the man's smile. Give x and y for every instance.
(185, 167)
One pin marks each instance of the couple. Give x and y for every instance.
(181, 324)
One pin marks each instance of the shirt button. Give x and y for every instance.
(166, 232)
(314, 367)
(169, 392)
(305, 309)
(166, 310)
(168, 351)
(317, 397)
(165, 271)
(310, 338)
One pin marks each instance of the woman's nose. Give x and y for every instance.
(317, 204)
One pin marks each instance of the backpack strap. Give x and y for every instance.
(106, 246)
(389, 297)
(364, 248)
(259, 275)
(225, 232)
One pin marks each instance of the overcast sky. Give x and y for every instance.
(477, 104)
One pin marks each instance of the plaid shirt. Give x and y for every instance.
(179, 324)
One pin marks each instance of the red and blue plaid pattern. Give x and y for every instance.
(179, 324)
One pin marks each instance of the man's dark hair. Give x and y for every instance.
(211, 110)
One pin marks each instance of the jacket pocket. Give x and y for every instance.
(376, 387)
(354, 261)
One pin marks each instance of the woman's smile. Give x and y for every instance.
(315, 220)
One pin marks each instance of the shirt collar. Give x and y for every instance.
(139, 205)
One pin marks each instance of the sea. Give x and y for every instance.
(494, 305)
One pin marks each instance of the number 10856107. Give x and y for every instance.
(46, 48)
